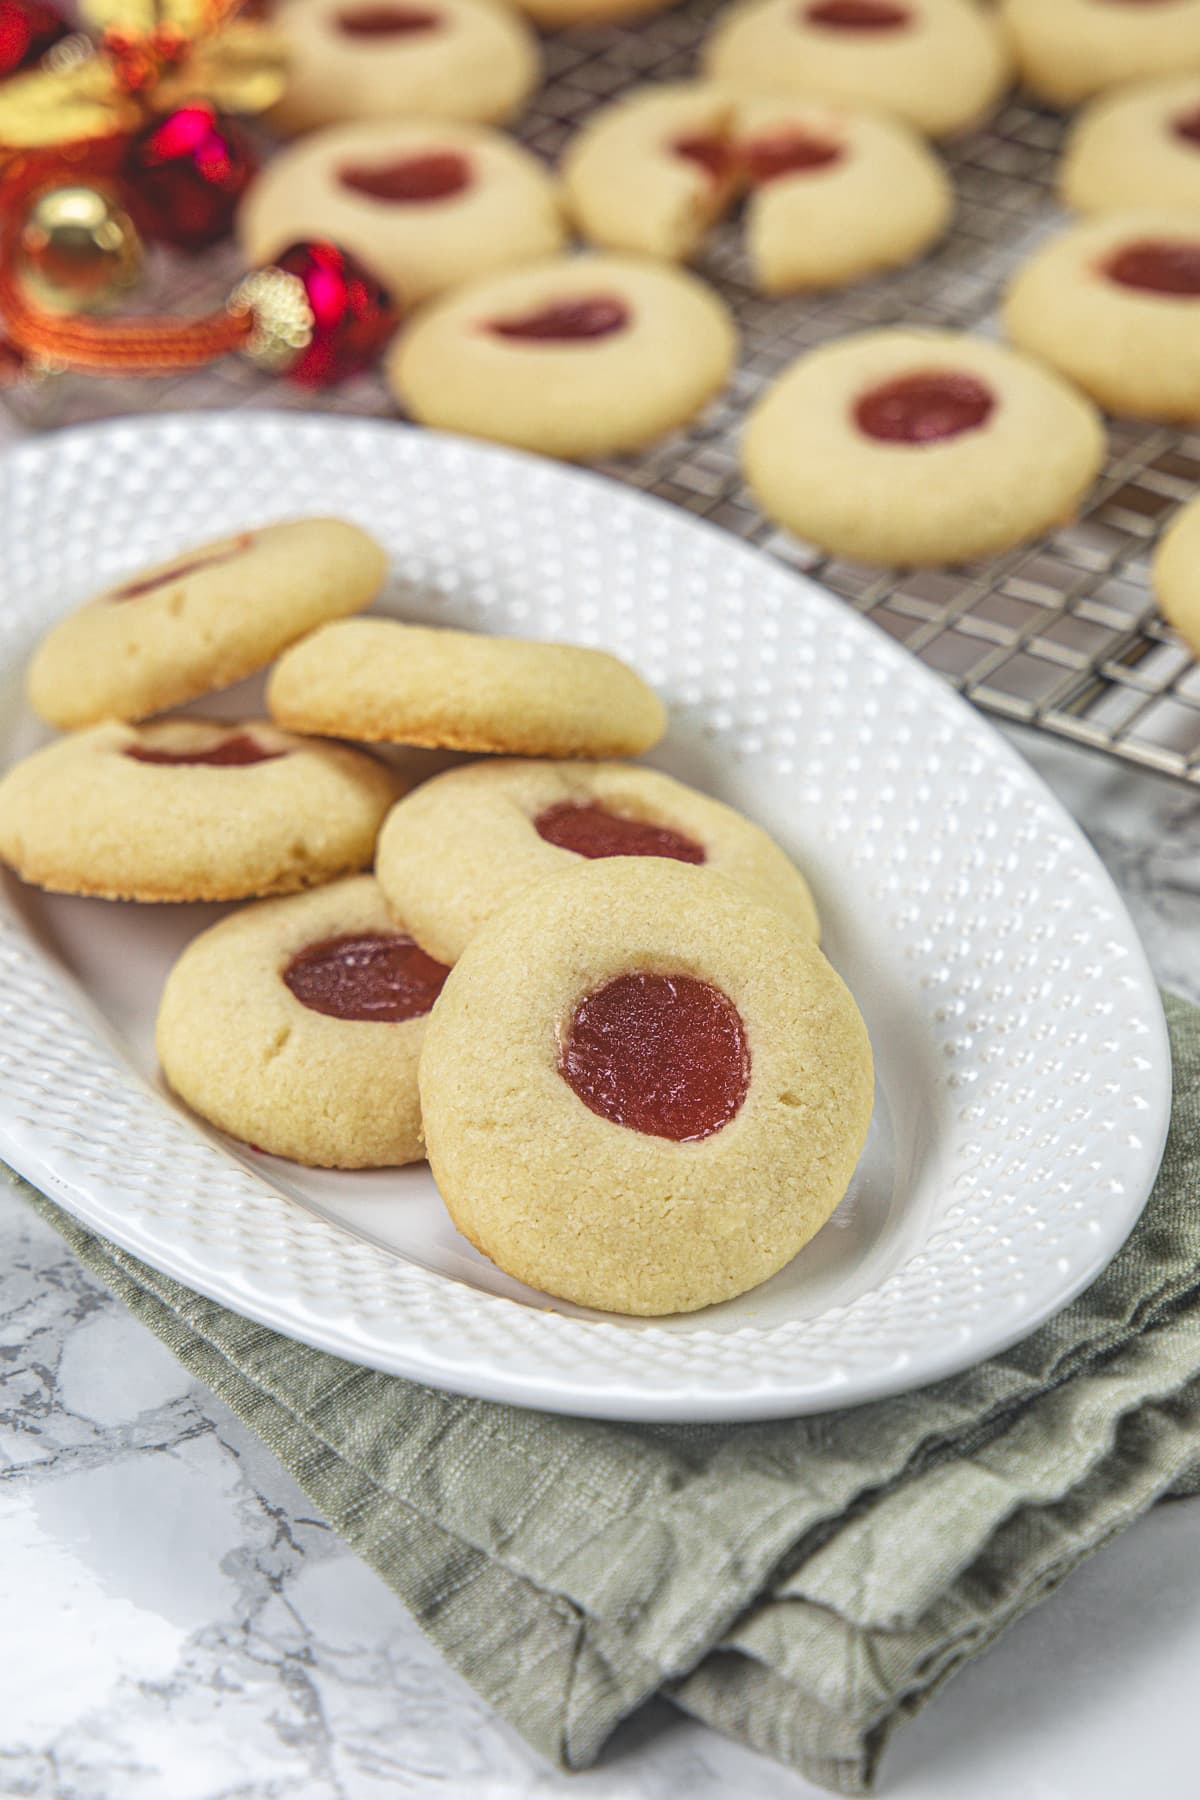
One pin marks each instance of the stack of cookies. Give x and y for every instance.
(591, 995)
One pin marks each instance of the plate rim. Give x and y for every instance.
(682, 1400)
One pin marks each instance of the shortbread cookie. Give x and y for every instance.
(643, 1090)
(191, 809)
(383, 681)
(297, 1025)
(1176, 575)
(834, 193)
(426, 205)
(201, 621)
(1137, 147)
(920, 447)
(1115, 305)
(395, 59)
(941, 65)
(1068, 50)
(463, 845)
(577, 356)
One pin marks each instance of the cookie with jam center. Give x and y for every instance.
(205, 618)
(1068, 50)
(191, 809)
(920, 447)
(388, 682)
(466, 843)
(643, 1090)
(297, 1025)
(1137, 147)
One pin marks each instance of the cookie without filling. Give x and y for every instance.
(463, 845)
(579, 356)
(1175, 574)
(425, 205)
(202, 620)
(642, 1089)
(920, 447)
(191, 809)
(297, 1025)
(383, 681)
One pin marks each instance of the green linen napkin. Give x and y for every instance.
(803, 1585)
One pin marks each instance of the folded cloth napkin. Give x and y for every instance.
(802, 1585)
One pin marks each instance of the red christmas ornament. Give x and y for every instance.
(186, 173)
(352, 314)
(28, 28)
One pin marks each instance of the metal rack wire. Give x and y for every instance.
(1063, 634)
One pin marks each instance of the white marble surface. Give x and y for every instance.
(177, 1625)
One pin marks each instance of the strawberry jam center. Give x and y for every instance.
(788, 151)
(593, 831)
(716, 155)
(662, 1054)
(207, 559)
(387, 21)
(567, 321)
(375, 975)
(236, 752)
(1187, 127)
(924, 408)
(1158, 266)
(857, 15)
(434, 175)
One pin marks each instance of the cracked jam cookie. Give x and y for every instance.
(941, 65)
(383, 681)
(395, 59)
(832, 194)
(424, 205)
(297, 1025)
(1114, 304)
(920, 447)
(1068, 50)
(643, 1090)
(191, 809)
(203, 620)
(576, 357)
(463, 845)
(1138, 147)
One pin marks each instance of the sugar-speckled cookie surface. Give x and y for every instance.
(834, 193)
(642, 1089)
(191, 809)
(202, 620)
(578, 356)
(1137, 147)
(388, 682)
(920, 447)
(941, 65)
(395, 59)
(1068, 50)
(297, 1025)
(425, 204)
(1114, 304)
(1175, 574)
(461, 846)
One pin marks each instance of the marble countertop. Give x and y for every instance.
(179, 1626)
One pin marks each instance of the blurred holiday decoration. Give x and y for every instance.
(78, 248)
(28, 28)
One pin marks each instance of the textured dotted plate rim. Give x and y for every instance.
(80, 1123)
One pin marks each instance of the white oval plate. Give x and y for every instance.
(1024, 1072)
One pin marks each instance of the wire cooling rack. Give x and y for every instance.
(1062, 635)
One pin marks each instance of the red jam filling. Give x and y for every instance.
(1187, 127)
(387, 21)
(858, 15)
(594, 832)
(435, 175)
(924, 408)
(662, 1054)
(236, 752)
(208, 559)
(1157, 266)
(567, 321)
(375, 975)
(789, 151)
(716, 155)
